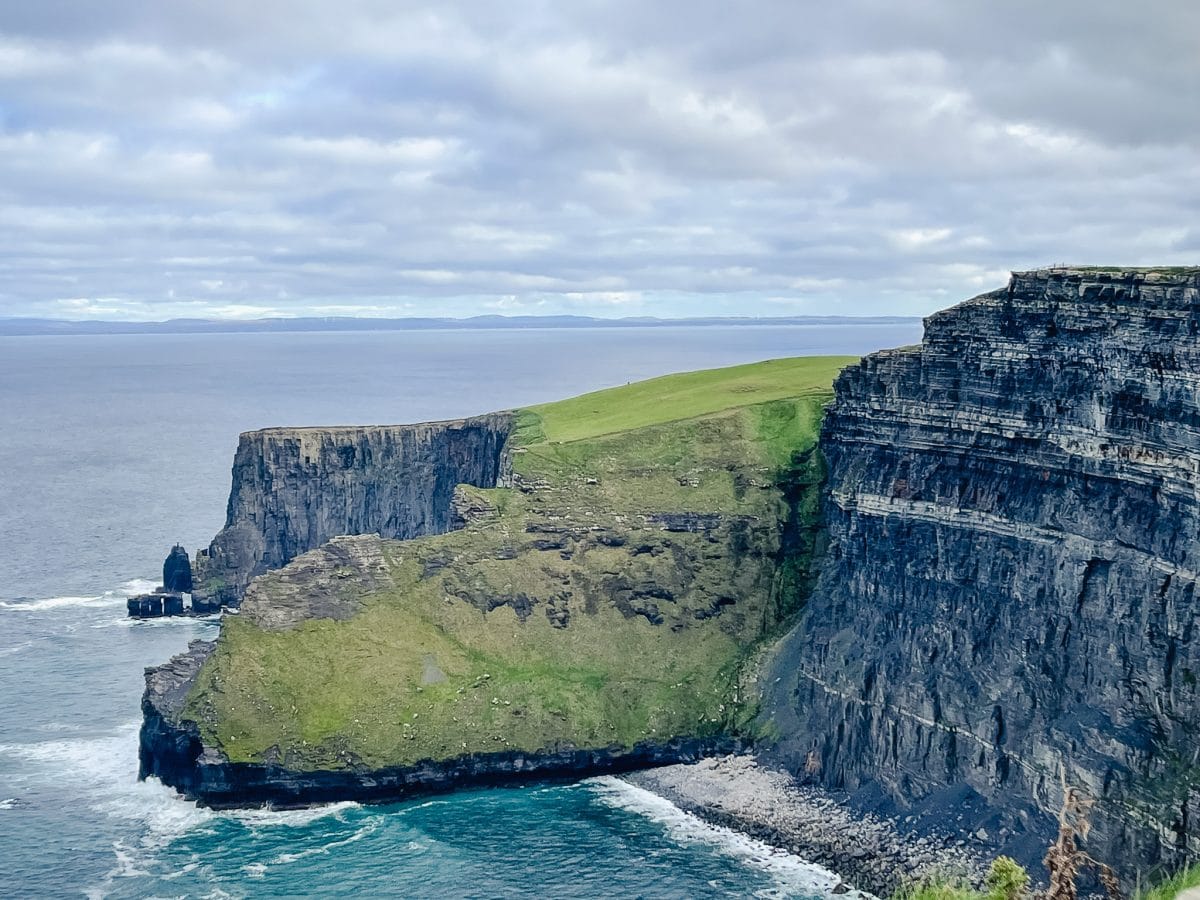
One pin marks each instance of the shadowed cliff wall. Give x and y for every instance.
(295, 488)
(1010, 594)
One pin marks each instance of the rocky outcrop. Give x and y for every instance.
(177, 572)
(1010, 600)
(295, 488)
(326, 583)
(169, 745)
(171, 749)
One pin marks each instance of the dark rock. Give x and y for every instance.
(697, 523)
(296, 488)
(145, 606)
(177, 571)
(152, 606)
(1010, 595)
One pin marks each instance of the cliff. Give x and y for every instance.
(295, 488)
(592, 613)
(1009, 599)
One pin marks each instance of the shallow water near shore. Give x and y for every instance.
(114, 447)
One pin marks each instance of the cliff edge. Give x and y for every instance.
(296, 488)
(594, 612)
(1009, 601)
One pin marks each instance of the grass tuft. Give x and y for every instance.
(1171, 887)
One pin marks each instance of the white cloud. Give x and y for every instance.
(616, 158)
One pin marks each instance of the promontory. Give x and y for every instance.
(956, 581)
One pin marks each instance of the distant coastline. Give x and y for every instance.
(22, 327)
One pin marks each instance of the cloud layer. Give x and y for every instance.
(608, 158)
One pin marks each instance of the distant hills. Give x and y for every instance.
(10, 326)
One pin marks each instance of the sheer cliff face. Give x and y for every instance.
(1010, 594)
(296, 488)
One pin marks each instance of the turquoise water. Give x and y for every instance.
(112, 448)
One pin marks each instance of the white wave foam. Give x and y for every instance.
(105, 768)
(179, 873)
(115, 597)
(290, 818)
(135, 586)
(50, 603)
(789, 873)
(164, 622)
(428, 803)
(367, 828)
(15, 648)
(255, 870)
(10, 803)
(127, 866)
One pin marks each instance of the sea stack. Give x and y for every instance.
(177, 571)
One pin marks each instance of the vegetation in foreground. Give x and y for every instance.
(1170, 887)
(1006, 880)
(1009, 881)
(1065, 861)
(610, 596)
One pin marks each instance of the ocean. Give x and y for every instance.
(114, 447)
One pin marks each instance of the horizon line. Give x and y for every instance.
(41, 325)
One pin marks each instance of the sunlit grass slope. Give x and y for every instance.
(683, 396)
(609, 596)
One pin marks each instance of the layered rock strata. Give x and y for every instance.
(295, 488)
(1009, 604)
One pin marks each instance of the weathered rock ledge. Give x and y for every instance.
(171, 749)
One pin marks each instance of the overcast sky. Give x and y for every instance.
(654, 157)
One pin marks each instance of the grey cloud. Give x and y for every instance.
(382, 158)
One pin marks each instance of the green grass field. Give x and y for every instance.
(611, 596)
(687, 395)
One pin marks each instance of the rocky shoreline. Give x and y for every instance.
(871, 853)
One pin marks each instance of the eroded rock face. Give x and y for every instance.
(168, 748)
(296, 488)
(326, 583)
(1010, 594)
(177, 571)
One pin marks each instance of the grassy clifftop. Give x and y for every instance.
(609, 596)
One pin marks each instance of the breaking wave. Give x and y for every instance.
(791, 874)
(116, 597)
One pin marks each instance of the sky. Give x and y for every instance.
(671, 158)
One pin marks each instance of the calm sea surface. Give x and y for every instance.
(114, 447)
